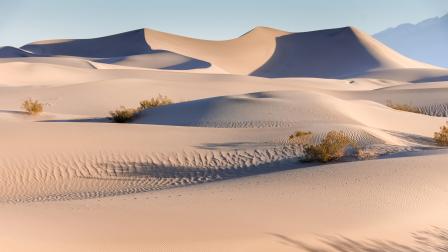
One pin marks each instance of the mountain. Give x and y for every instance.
(426, 41)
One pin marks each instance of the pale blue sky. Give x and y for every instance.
(23, 21)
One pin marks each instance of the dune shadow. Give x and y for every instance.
(123, 44)
(413, 138)
(434, 239)
(82, 120)
(15, 112)
(207, 172)
(117, 59)
(318, 54)
(189, 65)
(234, 145)
(433, 79)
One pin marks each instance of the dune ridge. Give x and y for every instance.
(334, 53)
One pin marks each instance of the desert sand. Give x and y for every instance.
(215, 171)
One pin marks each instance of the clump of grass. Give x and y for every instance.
(32, 107)
(155, 102)
(333, 147)
(300, 137)
(403, 107)
(299, 134)
(441, 137)
(123, 114)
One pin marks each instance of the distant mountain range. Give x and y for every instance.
(426, 41)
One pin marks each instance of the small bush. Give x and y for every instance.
(403, 107)
(123, 114)
(155, 102)
(441, 137)
(299, 134)
(300, 137)
(333, 147)
(32, 107)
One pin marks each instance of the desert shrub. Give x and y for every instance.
(32, 107)
(155, 102)
(403, 107)
(441, 137)
(123, 114)
(332, 147)
(299, 134)
(300, 137)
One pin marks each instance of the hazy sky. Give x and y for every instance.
(23, 21)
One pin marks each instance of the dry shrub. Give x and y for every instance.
(123, 114)
(403, 107)
(155, 102)
(300, 137)
(333, 147)
(32, 107)
(299, 134)
(441, 137)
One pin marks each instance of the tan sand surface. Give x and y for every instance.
(215, 171)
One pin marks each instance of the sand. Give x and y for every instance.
(215, 171)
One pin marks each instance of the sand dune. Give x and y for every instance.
(157, 60)
(97, 185)
(384, 200)
(335, 53)
(416, 75)
(43, 74)
(125, 44)
(237, 56)
(62, 61)
(259, 110)
(235, 135)
(12, 52)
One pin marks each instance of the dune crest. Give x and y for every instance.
(266, 52)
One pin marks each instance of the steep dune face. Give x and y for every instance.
(333, 53)
(242, 55)
(12, 52)
(124, 44)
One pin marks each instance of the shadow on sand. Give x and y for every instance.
(434, 239)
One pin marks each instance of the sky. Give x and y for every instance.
(24, 21)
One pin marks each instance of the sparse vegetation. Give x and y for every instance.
(403, 107)
(299, 134)
(300, 137)
(123, 114)
(333, 147)
(155, 102)
(441, 137)
(32, 107)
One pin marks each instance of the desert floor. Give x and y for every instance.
(215, 171)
